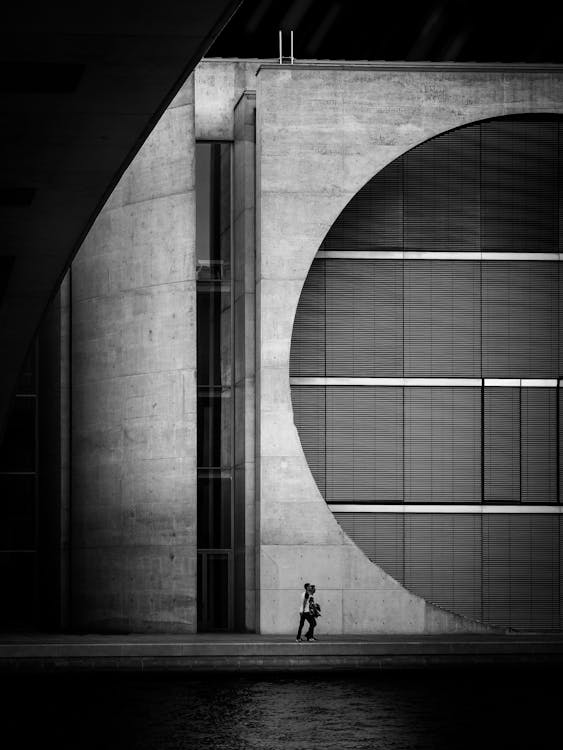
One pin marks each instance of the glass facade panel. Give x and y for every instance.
(520, 319)
(364, 444)
(380, 536)
(521, 571)
(373, 220)
(214, 513)
(364, 318)
(519, 184)
(502, 450)
(309, 407)
(503, 569)
(443, 560)
(215, 385)
(214, 355)
(459, 319)
(442, 445)
(362, 441)
(539, 445)
(442, 310)
(213, 591)
(214, 419)
(308, 343)
(442, 196)
(213, 210)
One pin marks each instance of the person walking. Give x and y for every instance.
(314, 612)
(309, 610)
(304, 614)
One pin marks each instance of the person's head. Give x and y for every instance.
(306, 586)
(312, 588)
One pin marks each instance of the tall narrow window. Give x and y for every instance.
(18, 502)
(214, 386)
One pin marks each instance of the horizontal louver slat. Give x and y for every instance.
(560, 312)
(560, 562)
(373, 219)
(364, 445)
(379, 536)
(442, 445)
(521, 571)
(539, 445)
(364, 311)
(520, 319)
(491, 186)
(443, 560)
(442, 193)
(503, 569)
(309, 415)
(502, 445)
(559, 185)
(442, 333)
(307, 357)
(519, 166)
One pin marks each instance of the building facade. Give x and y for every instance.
(314, 336)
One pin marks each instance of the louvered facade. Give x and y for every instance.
(425, 370)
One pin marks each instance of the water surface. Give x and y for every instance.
(449, 709)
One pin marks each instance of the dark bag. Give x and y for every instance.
(314, 608)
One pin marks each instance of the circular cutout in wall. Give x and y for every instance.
(425, 363)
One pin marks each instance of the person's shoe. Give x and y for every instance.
(312, 638)
(299, 640)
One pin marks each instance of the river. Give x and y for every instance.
(477, 708)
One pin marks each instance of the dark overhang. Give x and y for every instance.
(81, 87)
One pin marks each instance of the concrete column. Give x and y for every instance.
(133, 520)
(244, 359)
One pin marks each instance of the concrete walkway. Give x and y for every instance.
(248, 652)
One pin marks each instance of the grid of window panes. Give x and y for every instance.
(18, 500)
(492, 187)
(214, 384)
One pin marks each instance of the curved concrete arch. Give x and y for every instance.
(323, 122)
(83, 97)
(402, 154)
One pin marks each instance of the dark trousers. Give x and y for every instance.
(306, 617)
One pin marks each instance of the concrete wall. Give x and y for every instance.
(219, 85)
(322, 132)
(244, 350)
(133, 528)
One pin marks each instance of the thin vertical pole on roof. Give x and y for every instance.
(291, 38)
(280, 44)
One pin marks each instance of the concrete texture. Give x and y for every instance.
(219, 85)
(226, 653)
(243, 279)
(225, 110)
(133, 519)
(322, 132)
